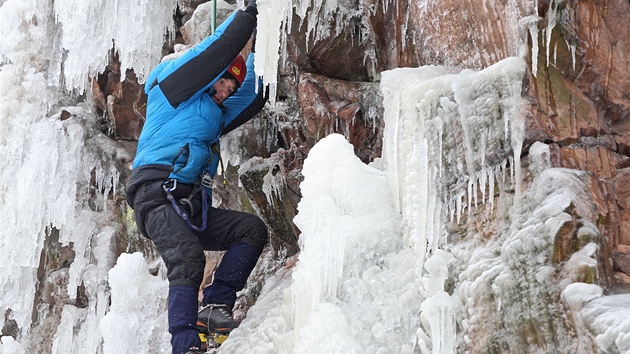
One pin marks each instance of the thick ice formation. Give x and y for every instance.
(136, 326)
(88, 31)
(460, 130)
(273, 24)
(367, 231)
(372, 267)
(348, 245)
(383, 288)
(49, 164)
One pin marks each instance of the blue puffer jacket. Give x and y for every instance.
(183, 122)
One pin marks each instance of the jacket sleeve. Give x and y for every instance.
(152, 78)
(246, 102)
(197, 69)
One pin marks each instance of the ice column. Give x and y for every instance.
(345, 215)
(31, 148)
(137, 318)
(269, 39)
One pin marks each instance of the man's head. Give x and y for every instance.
(230, 81)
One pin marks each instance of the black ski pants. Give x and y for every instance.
(182, 248)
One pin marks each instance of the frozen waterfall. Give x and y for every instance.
(383, 268)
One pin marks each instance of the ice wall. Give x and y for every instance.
(346, 274)
(449, 137)
(51, 161)
(371, 277)
(512, 273)
(371, 268)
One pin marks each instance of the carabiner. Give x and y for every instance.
(171, 188)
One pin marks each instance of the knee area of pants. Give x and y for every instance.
(187, 274)
(257, 234)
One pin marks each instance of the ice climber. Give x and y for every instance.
(192, 101)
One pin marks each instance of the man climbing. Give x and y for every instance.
(193, 100)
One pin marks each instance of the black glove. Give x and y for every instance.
(254, 39)
(251, 8)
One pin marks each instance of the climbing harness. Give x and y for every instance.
(169, 186)
(205, 181)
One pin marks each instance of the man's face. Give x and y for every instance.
(223, 89)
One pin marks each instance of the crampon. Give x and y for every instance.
(210, 341)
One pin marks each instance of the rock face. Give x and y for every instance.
(582, 111)
(579, 98)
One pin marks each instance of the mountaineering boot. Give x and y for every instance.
(216, 319)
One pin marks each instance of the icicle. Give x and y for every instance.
(518, 179)
(439, 124)
(476, 189)
(572, 48)
(450, 205)
(438, 312)
(469, 194)
(512, 171)
(551, 23)
(492, 172)
(270, 36)
(460, 207)
(533, 30)
(88, 48)
(274, 183)
(482, 183)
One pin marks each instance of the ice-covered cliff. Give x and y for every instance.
(454, 176)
